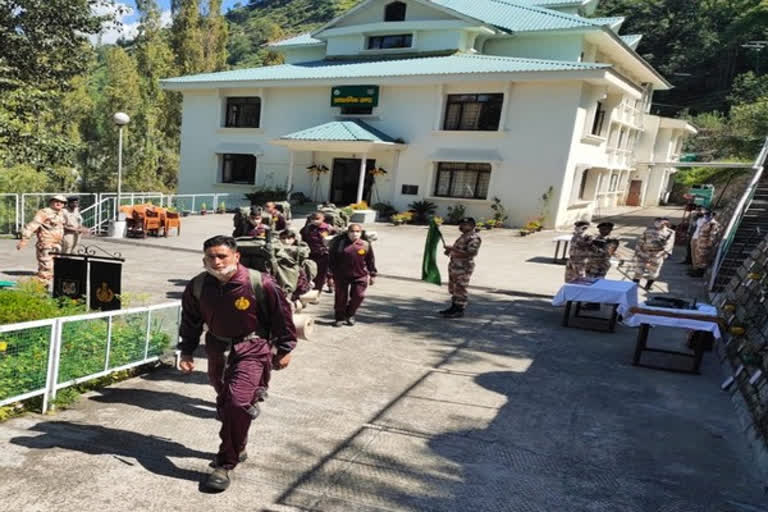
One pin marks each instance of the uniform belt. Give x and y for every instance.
(235, 340)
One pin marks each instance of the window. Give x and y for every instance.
(621, 140)
(394, 12)
(613, 184)
(479, 112)
(597, 124)
(386, 42)
(238, 169)
(357, 110)
(583, 185)
(464, 180)
(410, 190)
(243, 112)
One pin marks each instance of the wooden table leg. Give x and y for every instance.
(557, 252)
(642, 340)
(567, 313)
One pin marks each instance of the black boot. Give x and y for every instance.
(458, 312)
(218, 480)
(448, 310)
(649, 284)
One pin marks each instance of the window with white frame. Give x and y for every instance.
(243, 112)
(583, 184)
(238, 169)
(599, 120)
(473, 112)
(390, 41)
(462, 180)
(614, 183)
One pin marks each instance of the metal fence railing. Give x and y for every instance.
(42, 357)
(10, 215)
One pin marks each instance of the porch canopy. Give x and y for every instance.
(348, 136)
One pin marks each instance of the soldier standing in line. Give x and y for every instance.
(315, 234)
(48, 225)
(248, 315)
(73, 225)
(578, 253)
(708, 237)
(353, 267)
(603, 248)
(652, 248)
(278, 222)
(461, 266)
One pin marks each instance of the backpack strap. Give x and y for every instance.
(261, 304)
(197, 285)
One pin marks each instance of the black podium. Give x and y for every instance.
(92, 274)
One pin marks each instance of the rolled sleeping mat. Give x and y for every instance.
(311, 297)
(305, 325)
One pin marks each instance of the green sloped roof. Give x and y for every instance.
(301, 39)
(610, 22)
(447, 65)
(553, 3)
(341, 131)
(516, 15)
(632, 40)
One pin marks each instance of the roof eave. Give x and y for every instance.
(664, 84)
(354, 146)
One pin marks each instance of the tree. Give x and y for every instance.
(187, 38)
(216, 38)
(43, 48)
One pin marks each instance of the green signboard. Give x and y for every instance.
(355, 96)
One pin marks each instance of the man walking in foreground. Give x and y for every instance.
(48, 225)
(461, 266)
(246, 313)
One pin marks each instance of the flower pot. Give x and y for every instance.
(185, 213)
(203, 212)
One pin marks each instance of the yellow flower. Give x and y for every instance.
(3, 346)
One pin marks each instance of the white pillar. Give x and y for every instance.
(291, 163)
(361, 182)
(119, 168)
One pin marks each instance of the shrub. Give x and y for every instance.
(385, 210)
(422, 210)
(362, 205)
(265, 194)
(30, 301)
(456, 213)
(499, 212)
(402, 218)
(299, 198)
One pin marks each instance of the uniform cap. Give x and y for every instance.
(58, 197)
(72, 198)
(467, 220)
(605, 225)
(580, 223)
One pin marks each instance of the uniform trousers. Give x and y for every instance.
(45, 261)
(322, 261)
(239, 381)
(349, 295)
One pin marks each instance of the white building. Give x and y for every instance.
(460, 101)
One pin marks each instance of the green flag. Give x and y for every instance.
(429, 271)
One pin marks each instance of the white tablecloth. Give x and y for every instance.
(681, 323)
(562, 238)
(604, 291)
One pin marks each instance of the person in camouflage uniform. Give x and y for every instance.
(603, 248)
(578, 253)
(652, 248)
(461, 266)
(48, 225)
(73, 225)
(709, 235)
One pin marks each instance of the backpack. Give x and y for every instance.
(258, 293)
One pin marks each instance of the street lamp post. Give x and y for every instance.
(121, 119)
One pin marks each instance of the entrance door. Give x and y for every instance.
(635, 191)
(345, 178)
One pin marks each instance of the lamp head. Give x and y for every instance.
(121, 118)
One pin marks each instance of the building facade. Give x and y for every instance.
(451, 101)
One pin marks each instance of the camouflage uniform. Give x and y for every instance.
(48, 225)
(653, 247)
(73, 224)
(599, 263)
(460, 268)
(709, 235)
(578, 257)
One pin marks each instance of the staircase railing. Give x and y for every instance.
(97, 216)
(738, 215)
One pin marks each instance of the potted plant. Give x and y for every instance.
(422, 210)
(203, 209)
(480, 225)
(222, 207)
(402, 218)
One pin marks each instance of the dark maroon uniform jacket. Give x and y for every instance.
(230, 311)
(314, 236)
(351, 261)
(279, 221)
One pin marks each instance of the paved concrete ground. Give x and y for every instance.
(501, 410)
